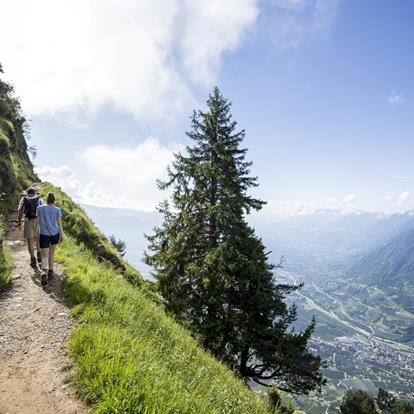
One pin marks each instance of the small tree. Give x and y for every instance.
(119, 245)
(386, 401)
(276, 405)
(389, 404)
(212, 269)
(357, 402)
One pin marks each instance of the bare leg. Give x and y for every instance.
(37, 244)
(52, 256)
(45, 259)
(30, 246)
(45, 266)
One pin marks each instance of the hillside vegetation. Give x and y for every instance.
(390, 267)
(16, 170)
(132, 358)
(129, 356)
(386, 274)
(5, 260)
(82, 229)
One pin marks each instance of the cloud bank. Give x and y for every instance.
(122, 177)
(142, 57)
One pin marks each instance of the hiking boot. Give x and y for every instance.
(39, 257)
(33, 262)
(43, 279)
(50, 274)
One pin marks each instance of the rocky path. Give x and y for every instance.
(34, 325)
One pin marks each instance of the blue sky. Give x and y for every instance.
(324, 89)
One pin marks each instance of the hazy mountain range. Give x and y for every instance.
(312, 243)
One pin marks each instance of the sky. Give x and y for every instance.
(324, 89)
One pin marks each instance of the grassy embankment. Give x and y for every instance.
(6, 265)
(77, 224)
(16, 171)
(130, 356)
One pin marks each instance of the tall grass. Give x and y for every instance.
(80, 226)
(6, 264)
(132, 358)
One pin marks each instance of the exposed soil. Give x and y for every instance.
(34, 325)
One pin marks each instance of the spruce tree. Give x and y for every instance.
(213, 270)
(357, 402)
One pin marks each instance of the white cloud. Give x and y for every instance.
(349, 199)
(65, 178)
(130, 174)
(288, 208)
(395, 99)
(403, 197)
(398, 202)
(139, 56)
(62, 177)
(122, 177)
(142, 164)
(293, 22)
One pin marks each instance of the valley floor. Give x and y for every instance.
(34, 325)
(357, 354)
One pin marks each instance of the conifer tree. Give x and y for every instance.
(213, 270)
(357, 402)
(119, 245)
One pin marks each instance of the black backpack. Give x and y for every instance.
(30, 206)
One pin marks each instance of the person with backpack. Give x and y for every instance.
(27, 208)
(49, 224)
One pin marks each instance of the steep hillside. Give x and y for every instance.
(16, 170)
(129, 356)
(391, 268)
(326, 240)
(82, 229)
(132, 358)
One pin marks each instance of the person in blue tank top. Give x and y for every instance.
(49, 225)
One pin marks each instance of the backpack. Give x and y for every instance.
(30, 206)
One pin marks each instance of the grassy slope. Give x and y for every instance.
(6, 265)
(132, 358)
(16, 171)
(77, 224)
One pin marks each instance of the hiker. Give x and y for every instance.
(49, 225)
(27, 207)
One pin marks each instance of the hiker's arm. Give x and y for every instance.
(59, 221)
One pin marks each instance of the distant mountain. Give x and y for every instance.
(330, 239)
(390, 268)
(312, 243)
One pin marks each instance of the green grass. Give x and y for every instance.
(6, 264)
(132, 358)
(77, 224)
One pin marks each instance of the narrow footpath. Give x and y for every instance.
(34, 326)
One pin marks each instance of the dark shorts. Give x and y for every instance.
(46, 241)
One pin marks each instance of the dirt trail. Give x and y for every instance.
(34, 324)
